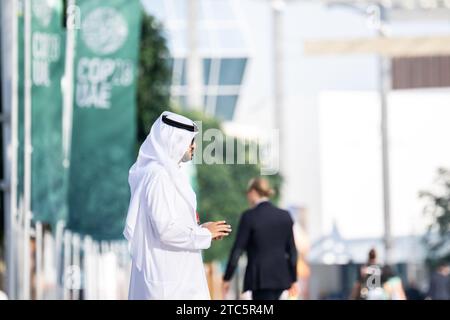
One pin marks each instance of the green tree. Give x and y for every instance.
(221, 190)
(437, 207)
(153, 76)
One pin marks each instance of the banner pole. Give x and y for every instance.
(27, 148)
(9, 79)
(71, 25)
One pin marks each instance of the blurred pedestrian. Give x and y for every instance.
(440, 283)
(368, 285)
(162, 226)
(265, 233)
(392, 284)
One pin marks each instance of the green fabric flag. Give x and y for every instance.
(48, 183)
(104, 116)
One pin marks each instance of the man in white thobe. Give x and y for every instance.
(164, 237)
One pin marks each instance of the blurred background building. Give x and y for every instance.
(331, 114)
(360, 91)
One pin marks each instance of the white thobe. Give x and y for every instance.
(172, 264)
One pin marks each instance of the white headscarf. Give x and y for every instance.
(166, 146)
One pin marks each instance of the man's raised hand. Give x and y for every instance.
(218, 229)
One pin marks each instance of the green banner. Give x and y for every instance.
(48, 183)
(104, 116)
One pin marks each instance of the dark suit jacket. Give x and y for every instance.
(265, 234)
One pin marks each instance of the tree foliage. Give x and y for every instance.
(221, 189)
(153, 76)
(437, 208)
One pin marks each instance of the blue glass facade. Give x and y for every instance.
(221, 46)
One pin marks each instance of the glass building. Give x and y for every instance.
(222, 47)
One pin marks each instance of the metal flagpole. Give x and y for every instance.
(10, 144)
(72, 23)
(384, 88)
(13, 205)
(27, 149)
(194, 63)
(277, 38)
(59, 242)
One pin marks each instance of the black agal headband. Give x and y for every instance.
(176, 124)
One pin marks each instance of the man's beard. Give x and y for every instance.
(186, 157)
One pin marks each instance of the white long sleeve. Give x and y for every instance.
(162, 213)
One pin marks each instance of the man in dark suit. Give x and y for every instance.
(265, 234)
